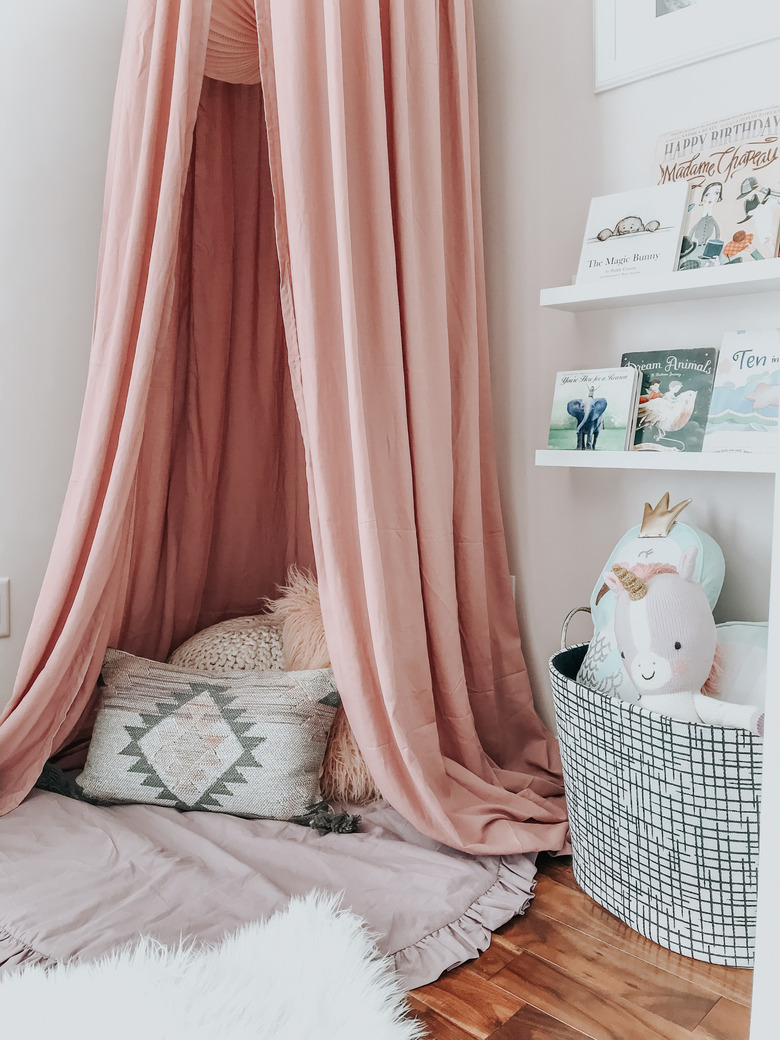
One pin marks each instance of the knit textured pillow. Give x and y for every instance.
(237, 644)
(242, 742)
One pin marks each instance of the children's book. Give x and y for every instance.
(744, 408)
(593, 409)
(733, 169)
(633, 232)
(674, 397)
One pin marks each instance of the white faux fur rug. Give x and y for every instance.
(310, 972)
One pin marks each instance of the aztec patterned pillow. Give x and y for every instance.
(242, 742)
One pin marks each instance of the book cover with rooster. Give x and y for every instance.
(674, 397)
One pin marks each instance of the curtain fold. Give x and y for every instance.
(371, 110)
(221, 506)
(155, 108)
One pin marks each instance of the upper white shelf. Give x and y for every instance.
(706, 462)
(637, 290)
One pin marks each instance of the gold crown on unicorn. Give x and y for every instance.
(658, 520)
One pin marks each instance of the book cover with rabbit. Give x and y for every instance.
(633, 232)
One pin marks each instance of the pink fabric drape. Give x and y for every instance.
(188, 496)
(220, 502)
(370, 109)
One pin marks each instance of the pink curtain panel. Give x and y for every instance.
(290, 365)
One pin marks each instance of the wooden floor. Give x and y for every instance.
(568, 970)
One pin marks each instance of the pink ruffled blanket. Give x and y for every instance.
(77, 880)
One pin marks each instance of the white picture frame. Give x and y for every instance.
(634, 39)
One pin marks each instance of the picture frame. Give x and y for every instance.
(634, 39)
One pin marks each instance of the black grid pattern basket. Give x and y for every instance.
(664, 819)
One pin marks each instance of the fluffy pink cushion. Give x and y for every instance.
(345, 775)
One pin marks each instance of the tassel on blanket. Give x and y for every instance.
(321, 817)
(58, 782)
(53, 779)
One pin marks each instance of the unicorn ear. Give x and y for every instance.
(611, 579)
(687, 563)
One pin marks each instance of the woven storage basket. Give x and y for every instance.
(664, 818)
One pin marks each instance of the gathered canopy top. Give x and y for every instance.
(233, 54)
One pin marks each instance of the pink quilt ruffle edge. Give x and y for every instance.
(16, 954)
(470, 934)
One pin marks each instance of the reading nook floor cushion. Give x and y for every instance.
(242, 742)
(77, 880)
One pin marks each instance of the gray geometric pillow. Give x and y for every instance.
(242, 742)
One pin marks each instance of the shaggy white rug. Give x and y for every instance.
(310, 972)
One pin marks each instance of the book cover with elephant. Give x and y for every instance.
(744, 411)
(633, 232)
(593, 409)
(732, 167)
(674, 397)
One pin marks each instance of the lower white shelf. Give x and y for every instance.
(705, 462)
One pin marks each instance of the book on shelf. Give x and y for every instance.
(633, 232)
(593, 409)
(673, 402)
(743, 412)
(732, 167)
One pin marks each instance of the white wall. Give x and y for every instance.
(58, 66)
(548, 145)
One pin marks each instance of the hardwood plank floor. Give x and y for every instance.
(568, 970)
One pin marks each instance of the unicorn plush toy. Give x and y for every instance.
(660, 538)
(666, 636)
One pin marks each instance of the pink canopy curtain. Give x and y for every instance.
(370, 110)
(187, 500)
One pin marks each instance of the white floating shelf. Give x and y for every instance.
(676, 286)
(705, 462)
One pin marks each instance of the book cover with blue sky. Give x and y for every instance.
(744, 410)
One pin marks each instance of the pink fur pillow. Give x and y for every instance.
(303, 634)
(345, 775)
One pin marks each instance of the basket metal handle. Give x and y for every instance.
(567, 620)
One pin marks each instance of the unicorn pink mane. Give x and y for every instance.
(711, 687)
(644, 571)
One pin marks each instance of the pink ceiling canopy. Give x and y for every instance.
(290, 366)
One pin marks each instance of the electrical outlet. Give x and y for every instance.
(5, 607)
